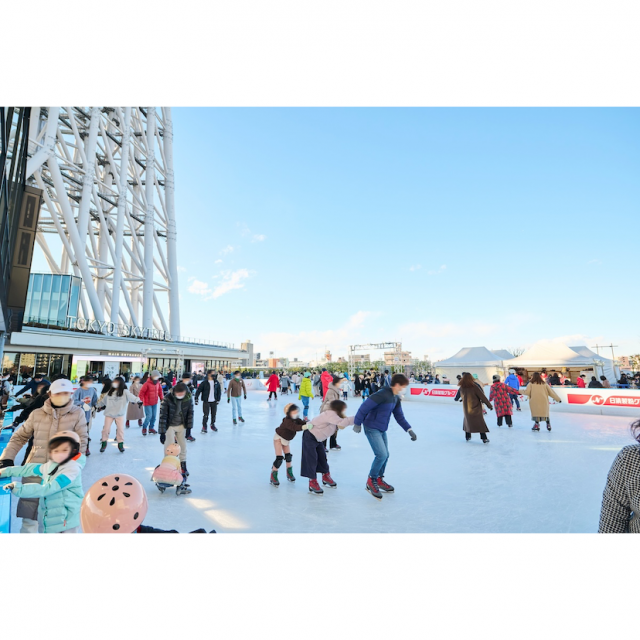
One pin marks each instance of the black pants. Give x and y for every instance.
(333, 440)
(275, 395)
(507, 420)
(209, 407)
(314, 458)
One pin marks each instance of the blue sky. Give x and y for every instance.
(445, 228)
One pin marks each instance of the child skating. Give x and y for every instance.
(500, 396)
(314, 456)
(285, 433)
(60, 491)
(176, 418)
(114, 403)
(86, 397)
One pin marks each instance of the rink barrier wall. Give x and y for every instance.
(612, 402)
(5, 497)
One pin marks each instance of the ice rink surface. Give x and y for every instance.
(520, 482)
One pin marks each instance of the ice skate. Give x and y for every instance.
(185, 471)
(485, 440)
(385, 486)
(183, 489)
(274, 479)
(548, 426)
(314, 487)
(139, 423)
(190, 438)
(336, 448)
(103, 447)
(121, 447)
(373, 489)
(87, 452)
(290, 476)
(235, 421)
(126, 424)
(241, 418)
(536, 427)
(213, 427)
(153, 431)
(144, 432)
(467, 436)
(204, 430)
(328, 480)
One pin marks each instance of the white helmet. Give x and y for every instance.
(512, 370)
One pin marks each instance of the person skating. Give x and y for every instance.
(273, 383)
(57, 414)
(500, 396)
(117, 503)
(59, 493)
(151, 393)
(169, 472)
(472, 398)
(135, 411)
(314, 455)
(375, 414)
(513, 381)
(32, 385)
(235, 392)
(114, 403)
(86, 397)
(306, 393)
(284, 434)
(539, 392)
(333, 392)
(211, 392)
(176, 417)
(325, 381)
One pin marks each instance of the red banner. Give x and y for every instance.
(617, 401)
(446, 393)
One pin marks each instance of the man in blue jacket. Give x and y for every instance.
(31, 386)
(513, 381)
(375, 414)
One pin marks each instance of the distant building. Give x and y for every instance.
(327, 356)
(249, 361)
(341, 360)
(360, 359)
(397, 358)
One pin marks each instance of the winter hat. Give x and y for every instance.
(512, 370)
(286, 409)
(307, 374)
(61, 386)
(155, 372)
(496, 378)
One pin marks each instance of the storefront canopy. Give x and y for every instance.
(471, 357)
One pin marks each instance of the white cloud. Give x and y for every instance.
(217, 261)
(415, 267)
(228, 249)
(230, 280)
(181, 269)
(198, 287)
(435, 272)
(258, 237)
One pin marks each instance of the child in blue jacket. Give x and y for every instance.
(60, 491)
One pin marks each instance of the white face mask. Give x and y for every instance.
(115, 386)
(180, 397)
(295, 416)
(59, 456)
(60, 399)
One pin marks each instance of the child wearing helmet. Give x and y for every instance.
(60, 491)
(285, 433)
(118, 504)
(169, 472)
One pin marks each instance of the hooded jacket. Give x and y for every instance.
(326, 378)
(512, 381)
(375, 412)
(151, 393)
(273, 383)
(327, 423)
(170, 407)
(306, 389)
(60, 491)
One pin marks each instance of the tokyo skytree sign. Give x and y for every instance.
(107, 178)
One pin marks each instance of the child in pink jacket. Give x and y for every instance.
(314, 456)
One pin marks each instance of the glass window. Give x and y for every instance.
(63, 305)
(55, 364)
(45, 298)
(35, 301)
(42, 363)
(10, 362)
(55, 300)
(27, 307)
(27, 364)
(74, 298)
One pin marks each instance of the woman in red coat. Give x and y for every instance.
(273, 383)
(500, 396)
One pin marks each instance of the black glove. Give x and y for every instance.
(163, 437)
(6, 463)
(139, 404)
(412, 434)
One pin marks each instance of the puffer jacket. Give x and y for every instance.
(327, 423)
(150, 393)
(305, 389)
(273, 383)
(333, 393)
(42, 425)
(170, 406)
(59, 494)
(376, 411)
(326, 378)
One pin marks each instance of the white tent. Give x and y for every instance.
(502, 353)
(549, 355)
(607, 369)
(474, 360)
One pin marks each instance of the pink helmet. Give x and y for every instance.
(114, 504)
(172, 450)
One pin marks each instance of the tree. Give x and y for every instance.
(517, 351)
(635, 361)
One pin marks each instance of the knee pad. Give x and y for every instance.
(278, 462)
(288, 457)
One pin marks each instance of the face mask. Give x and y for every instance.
(60, 399)
(237, 377)
(115, 386)
(180, 397)
(155, 379)
(59, 456)
(295, 416)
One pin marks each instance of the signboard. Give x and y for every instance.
(441, 393)
(621, 400)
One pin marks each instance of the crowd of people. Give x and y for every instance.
(56, 419)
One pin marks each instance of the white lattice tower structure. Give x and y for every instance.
(107, 177)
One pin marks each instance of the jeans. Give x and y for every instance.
(236, 406)
(365, 393)
(305, 402)
(516, 401)
(378, 441)
(150, 413)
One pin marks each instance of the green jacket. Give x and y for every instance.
(305, 388)
(60, 491)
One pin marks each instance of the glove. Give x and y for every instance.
(357, 428)
(228, 400)
(163, 437)
(9, 487)
(414, 437)
(196, 402)
(6, 463)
